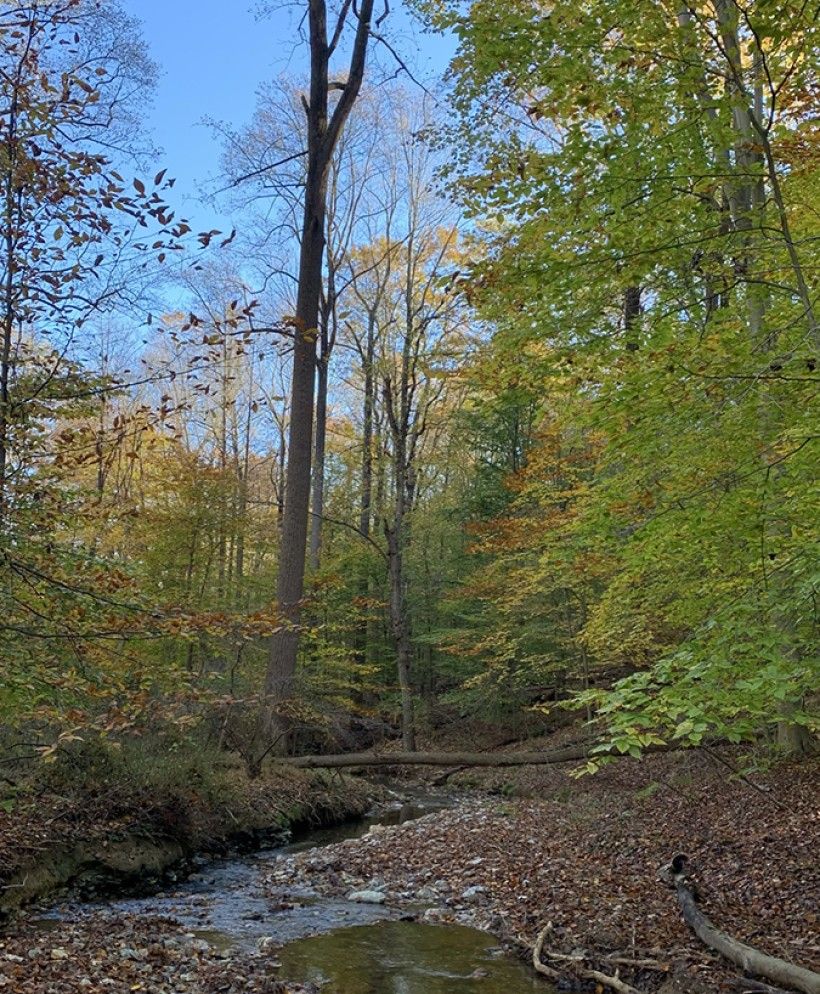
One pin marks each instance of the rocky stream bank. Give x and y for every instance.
(107, 841)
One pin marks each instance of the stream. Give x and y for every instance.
(353, 948)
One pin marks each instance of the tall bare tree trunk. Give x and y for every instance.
(398, 407)
(290, 583)
(322, 135)
(360, 637)
(367, 443)
(243, 494)
(222, 553)
(327, 340)
(10, 154)
(400, 625)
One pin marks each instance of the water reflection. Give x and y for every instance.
(392, 814)
(406, 958)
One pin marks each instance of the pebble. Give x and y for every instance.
(134, 954)
(433, 916)
(367, 896)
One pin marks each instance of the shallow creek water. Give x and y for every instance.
(406, 958)
(353, 948)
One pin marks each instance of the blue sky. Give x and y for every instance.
(213, 54)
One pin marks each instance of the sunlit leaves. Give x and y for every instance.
(615, 156)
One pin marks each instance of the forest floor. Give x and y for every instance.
(525, 847)
(585, 855)
(117, 956)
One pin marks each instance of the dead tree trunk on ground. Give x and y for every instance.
(569, 754)
(750, 960)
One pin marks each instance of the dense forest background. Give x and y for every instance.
(561, 384)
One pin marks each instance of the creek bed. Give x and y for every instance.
(347, 945)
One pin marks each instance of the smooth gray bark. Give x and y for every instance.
(751, 960)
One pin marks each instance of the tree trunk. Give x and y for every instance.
(318, 499)
(242, 496)
(10, 154)
(360, 635)
(396, 533)
(322, 135)
(632, 311)
(794, 739)
(568, 755)
(290, 583)
(367, 429)
(281, 465)
(401, 634)
(327, 342)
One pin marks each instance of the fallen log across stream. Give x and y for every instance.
(754, 962)
(567, 755)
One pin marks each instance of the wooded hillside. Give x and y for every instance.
(496, 401)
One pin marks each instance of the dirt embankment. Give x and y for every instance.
(584, 855)
(108, 840)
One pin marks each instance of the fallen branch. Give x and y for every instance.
(639, 964)
(742, 776)
(578, 966)
(537, 950)
(778, 971)
(445, 776)
(754, 986)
